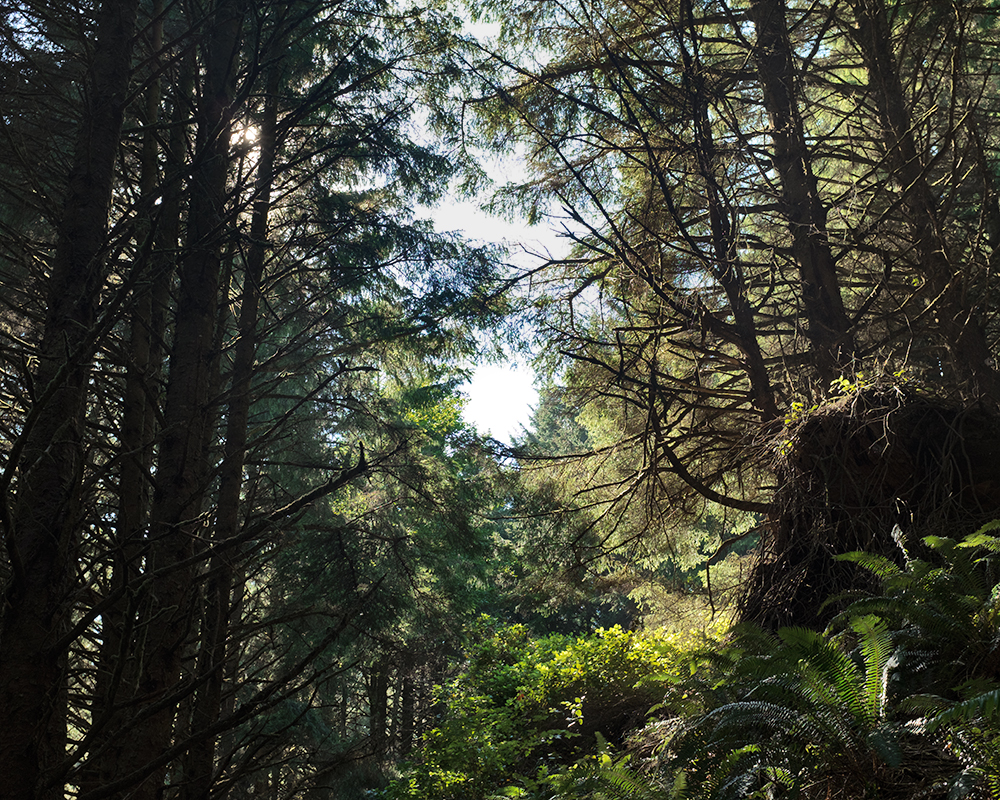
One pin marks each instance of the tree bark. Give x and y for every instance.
(182, 474)
(42, 530)
(829, 332)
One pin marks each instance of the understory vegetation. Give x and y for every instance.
(899, 697)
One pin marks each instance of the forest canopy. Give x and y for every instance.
(251, 548)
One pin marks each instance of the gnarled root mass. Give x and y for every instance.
(876, 471)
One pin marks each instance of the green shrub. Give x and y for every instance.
(527, 707)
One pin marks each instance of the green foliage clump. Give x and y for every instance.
(899, 698)
(525, 709)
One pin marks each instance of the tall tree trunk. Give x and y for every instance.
(182, 472)
(41, 532)
(727, 268)
(407, 713)
(829, 333)
(960, 327)
(378, 707)
(156, 234)
(213, 657)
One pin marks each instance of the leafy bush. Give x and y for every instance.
(530, 707)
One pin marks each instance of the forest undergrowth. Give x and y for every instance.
(897, 697)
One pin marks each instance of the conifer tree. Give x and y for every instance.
(776, 207)
(237, 268)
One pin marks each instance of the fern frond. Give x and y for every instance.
(941, 544)
(876, 649)
(617, 782)
(981, 708)
(880, 566)
(884, 742)
(992, 525)
(829, 675)
(748, 720)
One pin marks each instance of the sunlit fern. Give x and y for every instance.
(810, 703)
(944, 610)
